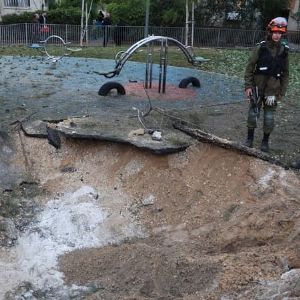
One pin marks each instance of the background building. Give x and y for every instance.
(20, 6)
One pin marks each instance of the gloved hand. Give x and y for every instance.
(270, 100)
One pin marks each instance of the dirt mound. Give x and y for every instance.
(215, 223)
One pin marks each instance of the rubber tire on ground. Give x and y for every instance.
(108, 86)
(186, 81)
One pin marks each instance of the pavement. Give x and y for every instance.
(40, 92)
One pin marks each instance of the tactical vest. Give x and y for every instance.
(269, 65)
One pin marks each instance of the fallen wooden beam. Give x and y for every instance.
(224, 143)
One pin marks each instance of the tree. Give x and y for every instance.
(167, 12)
(207, 12)
(271, 9)
(129, 12)
(132, 12)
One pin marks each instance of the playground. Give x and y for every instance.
(97, 207)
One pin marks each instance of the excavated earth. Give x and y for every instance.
(102, 218)
(212, 224)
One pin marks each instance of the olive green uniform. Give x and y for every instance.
(267, 85)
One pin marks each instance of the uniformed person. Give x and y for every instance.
(267, 72)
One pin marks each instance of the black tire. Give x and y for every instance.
(186, 81)
(108, 86)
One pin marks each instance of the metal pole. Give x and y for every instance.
(165, 66)
(160, 65)
(81, 25)
(146, 32)
(187, 22)
(26, 33)
(193, 23)
(86, 24)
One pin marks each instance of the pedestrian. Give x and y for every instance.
(100, 16)
(43, 23)
(35, 37)
(106, 22)
(267, 72)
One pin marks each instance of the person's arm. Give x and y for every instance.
(250, 68)
(284, 80)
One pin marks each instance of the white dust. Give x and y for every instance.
(68, 222)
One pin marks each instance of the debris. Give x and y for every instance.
(156, 136)
(149, 200)
(53, 137)
(140, 131)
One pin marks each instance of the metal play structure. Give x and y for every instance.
(122, 57)
(57, 41)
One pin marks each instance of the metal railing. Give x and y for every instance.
(27, 33)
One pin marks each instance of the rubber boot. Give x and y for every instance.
(250, 138)
(265, 143)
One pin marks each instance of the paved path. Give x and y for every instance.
(41, 90)
(36, 92)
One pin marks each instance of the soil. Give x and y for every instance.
(216, 224)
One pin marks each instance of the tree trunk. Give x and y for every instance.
(224, 143)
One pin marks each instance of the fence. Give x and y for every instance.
(28, 33)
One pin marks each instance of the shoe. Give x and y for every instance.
(250, 138)
(265, 143)
(249, 143)
(264, 146)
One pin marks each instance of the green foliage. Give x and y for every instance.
(69, 3)
(25, 17)
(271, 9)
(70, 15)
(130, 12)
(170, 16)
(165, 12)
(72, 7)
(213, 13)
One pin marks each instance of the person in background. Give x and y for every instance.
(267, 76)
(43, 19)
(100, 17)
(35, 29)
(44, 29)
(97, 25)
(106, 22)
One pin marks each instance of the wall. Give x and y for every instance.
(34, 5)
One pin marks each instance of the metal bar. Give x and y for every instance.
(160, 66)
(147, 67)
(146, 32)
(151, 63)
(165, 65)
